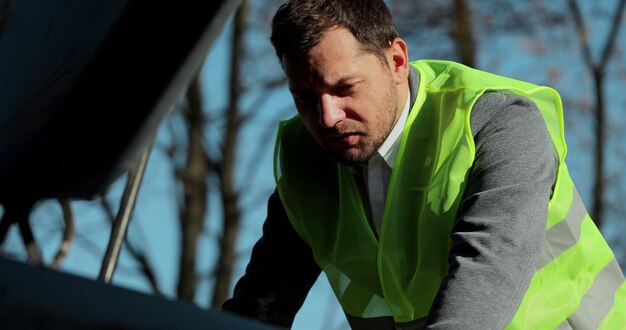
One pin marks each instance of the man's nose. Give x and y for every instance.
(330, 111)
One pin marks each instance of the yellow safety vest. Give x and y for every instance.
(399, 273)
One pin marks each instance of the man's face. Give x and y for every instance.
(347, 98)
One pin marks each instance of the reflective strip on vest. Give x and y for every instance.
(616, 318)
(583, 302)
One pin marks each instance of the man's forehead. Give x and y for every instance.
(302, 73)
(308, 79)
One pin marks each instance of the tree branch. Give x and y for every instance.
(583, 37)
(610, 42)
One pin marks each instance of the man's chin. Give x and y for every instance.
(351, 157)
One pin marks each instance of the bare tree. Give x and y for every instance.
(212, 148)
(229, 192)
(194, 190)
(597, 70)
(463, 34)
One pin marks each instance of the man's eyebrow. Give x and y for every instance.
(347, 80)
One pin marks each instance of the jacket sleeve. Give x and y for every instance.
(279, 275)
(502, 217)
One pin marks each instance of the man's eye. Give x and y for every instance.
(345, 90)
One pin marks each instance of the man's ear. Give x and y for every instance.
(398, 57)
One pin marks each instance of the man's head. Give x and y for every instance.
(347, 71)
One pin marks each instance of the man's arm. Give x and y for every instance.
(502, 218)
(280, 273)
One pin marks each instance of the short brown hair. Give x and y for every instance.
(298, 25)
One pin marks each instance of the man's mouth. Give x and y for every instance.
(344, 139)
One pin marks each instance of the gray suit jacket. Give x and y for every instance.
(497, 238)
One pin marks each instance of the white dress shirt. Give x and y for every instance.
(379, 166)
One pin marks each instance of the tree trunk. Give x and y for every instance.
(597, 70)
(597, 209)
(462, 33)
(195, 194)
(229, 193)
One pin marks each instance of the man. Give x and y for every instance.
(431, 195)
